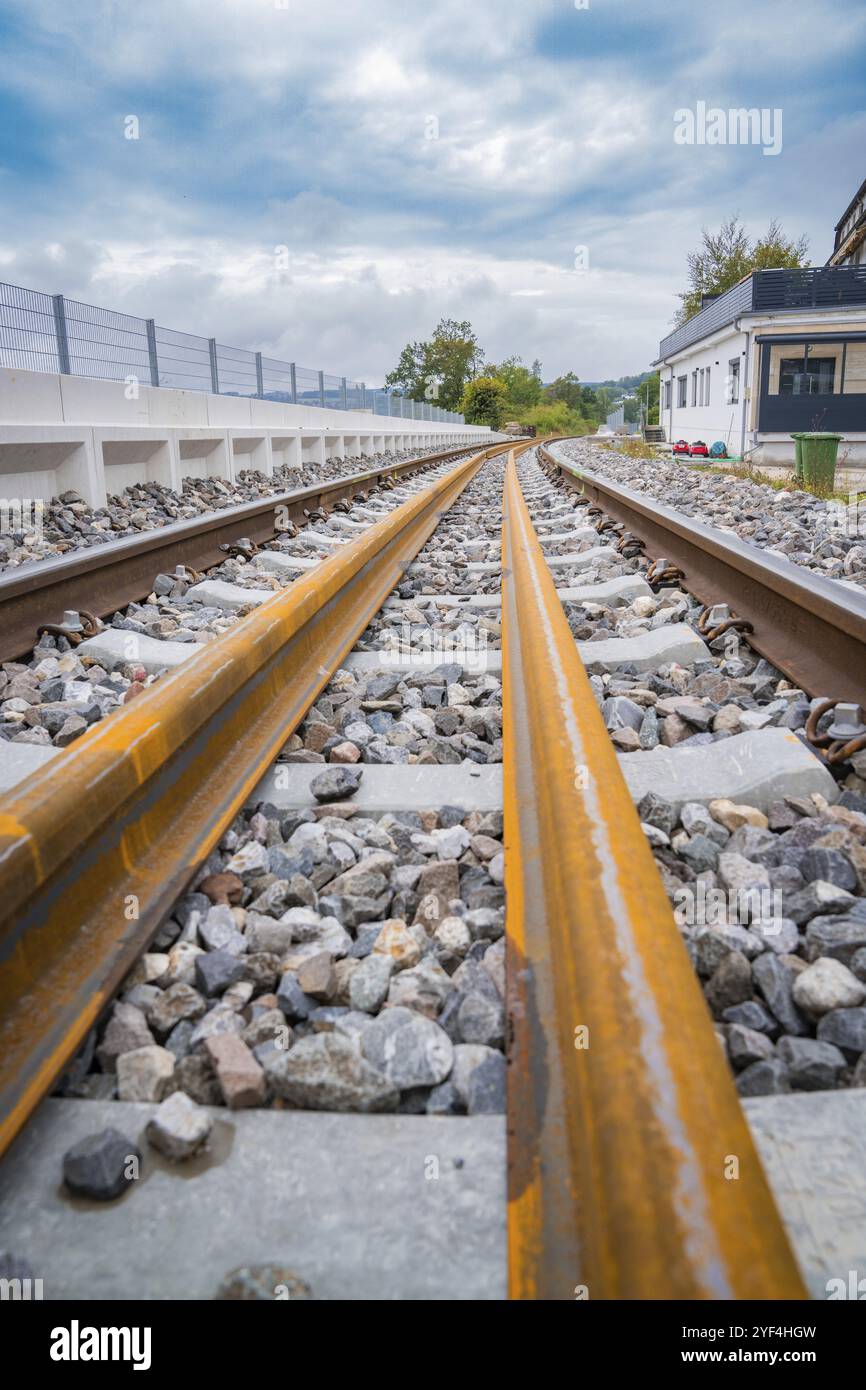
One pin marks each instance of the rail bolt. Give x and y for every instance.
(848, 722)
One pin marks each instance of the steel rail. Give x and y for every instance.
(101, 579)
(632, 1173)
(96, 846)
(810, 627)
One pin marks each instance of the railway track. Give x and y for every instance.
(220, 805)
(105, 578)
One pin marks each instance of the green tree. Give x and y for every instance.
(522, 384)
(438, 371)
(648, 393)
(724, 257)
(485, 401)
(605, 401)
(556, 417)
(566, 388)
(408, 375)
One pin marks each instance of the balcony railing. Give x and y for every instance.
(773, 291)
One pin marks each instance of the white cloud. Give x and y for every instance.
(308, 128)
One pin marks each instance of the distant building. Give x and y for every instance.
(849, 247)
(783, 350)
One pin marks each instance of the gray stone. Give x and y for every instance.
(174, 1005)
(216, 970)
(730, 983)
(127, 1029)
(179, 1127)
(221, 1019)
(701, 853)
(219, 932)
(777, 934)
(658, 811)
(195, 1076)
(815, 899)
(295, 1004)
(752, 1014)
(828, 866)
(746, 1045)
(768, 1078)
(442, 1100)
(327, 1071)
(740, 875)
(840, 937)
(618, 712)
(145, 1073)
(409, 1049)
(481, 1019)
(696, 820)
(775, 981)
(370, 982)
(425, 987)
(812, 1065)
(827, 984)
(846, 1028)
(478, 1077)
(179, 1040)
(336, 783)
(101, 1166)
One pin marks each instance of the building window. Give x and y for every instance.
(806, 376)
(694, 387)
(813, 386)
(667, 395)
(682, 383)
(733, 381)
(707, 387)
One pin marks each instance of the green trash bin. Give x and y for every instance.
(819, 449)
(798, 457)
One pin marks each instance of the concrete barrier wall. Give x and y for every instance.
(97, 437)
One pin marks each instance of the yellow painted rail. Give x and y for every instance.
(632, 1173)
(96, 846)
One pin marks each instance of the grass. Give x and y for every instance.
(635, 448)
(750, 474)
(632, 447)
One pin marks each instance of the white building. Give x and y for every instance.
(783, 350)
(849, 246)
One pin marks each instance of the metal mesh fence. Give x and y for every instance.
(278, 381)
(104, 343)
(184, 360)
(28, 339)
(236, 372)
(49, 333)
(332, 387)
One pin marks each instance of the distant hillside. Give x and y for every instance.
(623, 384)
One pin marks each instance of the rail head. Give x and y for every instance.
(99, 579)
(811, 627)
(96, 846)
(624, 1122)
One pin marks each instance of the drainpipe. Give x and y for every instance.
(664, 363)
(745, 384)
(671, 406)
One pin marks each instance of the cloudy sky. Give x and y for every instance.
(415, 160)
